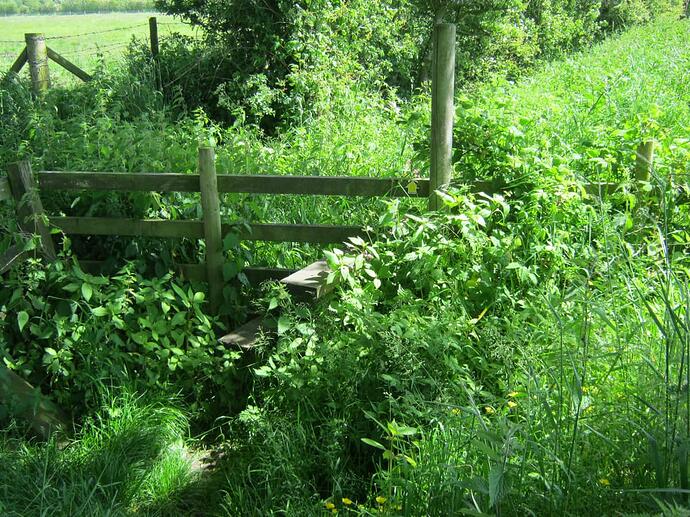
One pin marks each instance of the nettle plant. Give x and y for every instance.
(72, 333)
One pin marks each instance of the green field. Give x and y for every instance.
(83, 39)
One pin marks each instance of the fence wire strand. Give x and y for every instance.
(66, 36)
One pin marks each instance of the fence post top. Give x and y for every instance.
(34, 35)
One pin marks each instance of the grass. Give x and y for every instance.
(588, 112)
(86, 40)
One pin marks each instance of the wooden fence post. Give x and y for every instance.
(644, 162)
(30, 214)
(37, 56)
(153, 30)
(442, 110)
(210, 204)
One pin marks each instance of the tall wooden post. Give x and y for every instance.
(30, 214)
(153, 30)
(442, 110)
(644, 162)
(37, 56)
(210, 204)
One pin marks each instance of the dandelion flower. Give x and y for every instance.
(604, 482)
(512, 404)
(513, 394)
(380, 499)
(489, 410)
(347, 501)
(330, 505)
(455, 411)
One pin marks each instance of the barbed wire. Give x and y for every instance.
(94, 49)
(67, 36)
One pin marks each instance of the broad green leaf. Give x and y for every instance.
(373, 443)
(86, 291)
(22, 319)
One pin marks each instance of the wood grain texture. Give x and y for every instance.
(69, 66)
(309, 283)
(19, 63)
(174, 182)
(30, 214)
(317, 234)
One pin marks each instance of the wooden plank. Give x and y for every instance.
(118, 181)
(5, 191)
(27, 402)
(317, 234)
(12, 257)
(19, 63)
(69, 66)
(245, 337)
(197, 272)
(30, 214)
(298, 185)
(310, 282)
(129, 227)
(312, 233)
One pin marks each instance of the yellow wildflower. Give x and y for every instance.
(604, 482)
(330, 505)
(455, 411)
(489, 410)
(512, 404)
(513, 394)
(347, 501)
(380, 499)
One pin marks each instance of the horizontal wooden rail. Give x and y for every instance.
(5, 191)
(317, 234)
(197, 272)
(173, 182)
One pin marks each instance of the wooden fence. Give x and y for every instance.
(24, 187)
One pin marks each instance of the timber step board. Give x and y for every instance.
(306, 284)
(309, 283)
(245, 337)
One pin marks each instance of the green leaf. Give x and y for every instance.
(199, 297)
(99, 312)
(373, 443)
(495, 484)
(22, 320)
(86, 291)
(284, 324)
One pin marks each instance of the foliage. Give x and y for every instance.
(8, 7)
(282, 56)
(75, 333)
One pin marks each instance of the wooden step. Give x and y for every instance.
(309, 283)
(245, 336)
